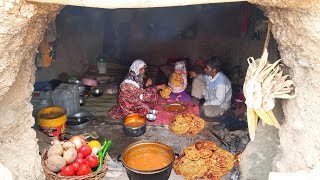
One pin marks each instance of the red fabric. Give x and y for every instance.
(240, 98)
(164, 117)
(244, 19)
(129, 101)
(201, 63)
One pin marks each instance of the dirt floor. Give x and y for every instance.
(112, 129)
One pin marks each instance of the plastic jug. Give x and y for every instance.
(76, 99)
(66, 96)
(42, 104)
(101, 64)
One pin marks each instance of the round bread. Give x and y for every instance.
(212, 175)
(206, 145)
(179, 127)
(176, 164)
(192, 153)
(205, 153)
(192, 169)
(220, 161)
(196, 126)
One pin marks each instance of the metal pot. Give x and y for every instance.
(96, 92)
(79, 120)
(134, 125)
(82, 89)
(76, 82)
(162, 173)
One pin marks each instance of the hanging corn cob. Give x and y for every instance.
(263, 83)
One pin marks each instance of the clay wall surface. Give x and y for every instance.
(21, 30)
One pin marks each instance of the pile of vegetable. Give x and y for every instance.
(76, 157)
(264, 82)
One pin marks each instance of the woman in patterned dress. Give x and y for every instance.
(133, 98)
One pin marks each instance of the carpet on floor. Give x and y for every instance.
(165, 118)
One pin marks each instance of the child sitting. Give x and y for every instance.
(198, 84)
(178, 83)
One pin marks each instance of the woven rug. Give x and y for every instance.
(164, 117)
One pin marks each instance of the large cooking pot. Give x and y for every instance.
(145, 160)
(134, 125)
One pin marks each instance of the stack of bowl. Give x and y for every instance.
(152, 115)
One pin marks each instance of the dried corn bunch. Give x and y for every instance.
(263, 83)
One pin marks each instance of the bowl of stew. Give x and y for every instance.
(148, 160)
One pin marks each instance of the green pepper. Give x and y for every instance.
(103, 152)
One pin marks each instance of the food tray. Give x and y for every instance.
(175, 108)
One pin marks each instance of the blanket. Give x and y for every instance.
(165, 118)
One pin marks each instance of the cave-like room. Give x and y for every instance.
(140, 90)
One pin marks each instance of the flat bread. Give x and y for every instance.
(206, 145)
(165, 92)
(179, 127)
(176, 164)
(176, 79)
(192, 153)
(195, 124)
(220, 161)
(192, 169)
(189, 114)
(211, 175)
(205, 153)
(204, 159)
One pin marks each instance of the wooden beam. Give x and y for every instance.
(114, 4)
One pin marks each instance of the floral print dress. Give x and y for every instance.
(133, 100)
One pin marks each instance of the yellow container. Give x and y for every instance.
(52, 120)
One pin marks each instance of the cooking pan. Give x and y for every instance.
(132, 153)
(79, 120)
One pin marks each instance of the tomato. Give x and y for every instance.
(84, 170)
(75, 166)
(68, 171)
(80, 155)
(85, 150)
(92, 161)
(80, 161)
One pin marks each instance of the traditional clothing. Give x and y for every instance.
(218, 95)
(178, 91)
(133, 98)
(198, 87)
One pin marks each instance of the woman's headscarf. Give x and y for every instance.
(181, 67)
(134, 77)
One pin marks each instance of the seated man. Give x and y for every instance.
(218, 89)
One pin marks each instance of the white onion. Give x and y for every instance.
(78, 141)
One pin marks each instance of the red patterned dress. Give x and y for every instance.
(133, 100)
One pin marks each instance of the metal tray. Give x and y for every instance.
(175, 108)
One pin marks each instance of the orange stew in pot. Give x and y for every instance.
(148, 157)
(134, 120)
